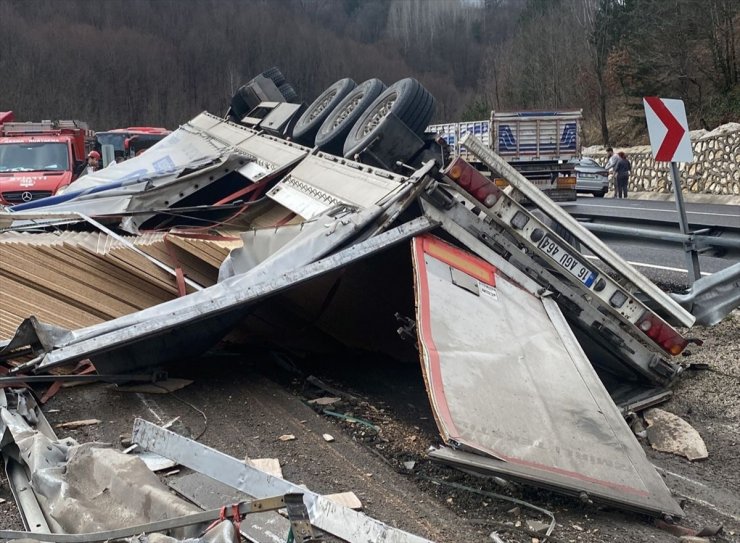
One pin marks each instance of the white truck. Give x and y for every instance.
(539, 144)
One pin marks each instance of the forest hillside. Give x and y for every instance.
(160, 62)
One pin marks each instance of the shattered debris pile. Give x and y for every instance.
(531, 355)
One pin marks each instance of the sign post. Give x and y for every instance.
(670, 142)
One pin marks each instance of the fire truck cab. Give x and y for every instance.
(39, 159)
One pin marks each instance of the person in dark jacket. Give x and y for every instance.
(622, 170)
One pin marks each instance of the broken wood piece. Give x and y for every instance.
(347, 499)
(325, 400)
(315, 381)
(78, 423)
(268, 465)
(287, 437)
(159, 387)
(539, 526)
(670, 433)
(155, 462)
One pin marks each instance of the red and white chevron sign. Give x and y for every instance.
(668, 129)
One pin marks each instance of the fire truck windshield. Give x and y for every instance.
(110, 138)
(33, 157)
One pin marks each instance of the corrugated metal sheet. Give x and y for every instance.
(77, 279)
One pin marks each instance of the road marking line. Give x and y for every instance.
(689, 212)
(653, 266)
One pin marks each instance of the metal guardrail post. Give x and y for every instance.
(692, 256)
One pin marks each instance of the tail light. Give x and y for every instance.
(475, 183)
(501, 183)
(661, 333)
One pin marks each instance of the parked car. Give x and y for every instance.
(591, 177)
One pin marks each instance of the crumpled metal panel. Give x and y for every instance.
(269, 152)
(714, 297)
(196, 155)
(190, 324)
(80, 488)
(160, 165)
(321, 182)
(257, 246)
(507, 380)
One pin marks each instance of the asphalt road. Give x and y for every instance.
(663, 265)
(657, 211)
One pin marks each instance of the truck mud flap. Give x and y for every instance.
(508, 382)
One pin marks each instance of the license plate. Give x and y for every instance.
(567, 261)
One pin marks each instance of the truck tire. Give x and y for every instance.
(288, 92)
(333, 132)
(239, 106)
(308, 125)
(407, 99)
(276, 75)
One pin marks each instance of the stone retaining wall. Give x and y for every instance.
(715, 170)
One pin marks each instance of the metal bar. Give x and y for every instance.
(692, 257)
(537, 197)
(255, 506)
(662, 235)
(21, 379)
(300, 524)
(326, 515)
(133, 247)
(25, 498)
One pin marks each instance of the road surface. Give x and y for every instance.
(665, 266)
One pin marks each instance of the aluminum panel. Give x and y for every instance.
(319, 183)
(519, 388)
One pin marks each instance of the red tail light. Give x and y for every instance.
(661, 333)
(471, 180)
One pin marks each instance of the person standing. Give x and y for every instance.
(93, 163)
(611, 163)
(622, 171)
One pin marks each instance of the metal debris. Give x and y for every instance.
(326, 515)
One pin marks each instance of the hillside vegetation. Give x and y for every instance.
(159, 62)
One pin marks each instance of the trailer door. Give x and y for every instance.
(512, 391)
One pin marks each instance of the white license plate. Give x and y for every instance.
(567, 261)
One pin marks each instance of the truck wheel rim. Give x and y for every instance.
(380, 112)
(340, 117)
(321, 106)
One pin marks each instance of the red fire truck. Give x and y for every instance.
(127, 142)
(40, 159)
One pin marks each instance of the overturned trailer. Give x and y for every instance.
(521, 340)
